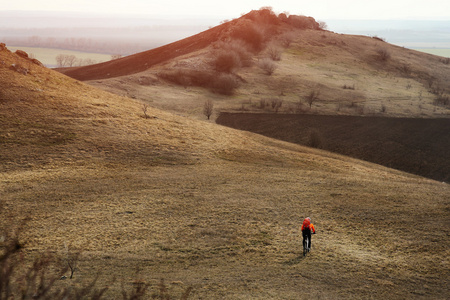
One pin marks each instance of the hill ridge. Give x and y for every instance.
(142, 61)
(289, 64)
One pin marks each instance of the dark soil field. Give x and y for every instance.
(418, 146)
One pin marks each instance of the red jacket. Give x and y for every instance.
(307, 224)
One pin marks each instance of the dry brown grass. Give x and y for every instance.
(327, 61)
(206, 206)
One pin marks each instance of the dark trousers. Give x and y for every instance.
(306, 233)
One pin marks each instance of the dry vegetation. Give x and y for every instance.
(385, 80)
(145, 195)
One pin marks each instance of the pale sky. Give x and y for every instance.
(321, 10)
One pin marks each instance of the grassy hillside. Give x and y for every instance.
(204, 206)
(345, 74)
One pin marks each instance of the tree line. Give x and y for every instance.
(70, 60)
(78, 44)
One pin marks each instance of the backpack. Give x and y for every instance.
(306, 223)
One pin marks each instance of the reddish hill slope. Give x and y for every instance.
(260, 20)
(142, 61)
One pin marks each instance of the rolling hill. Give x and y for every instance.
(316, 72)
(151, 194)
(350, 74)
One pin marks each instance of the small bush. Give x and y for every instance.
(379, 38)
(437, 90)
(250, 34)
(383, 54)
(264, 15)
(300, 108)
(144, 110)
(405, 69)
(430, 81)
(262, 103)
(303, 22)
(276, 104)
(224, 84)
(286, 39)
(241, 49)
(322, 25)
(315, 139)
(267, 65)
(445, 61)
(274, 52)
(188, 77)
(442, 100)
(226, 61)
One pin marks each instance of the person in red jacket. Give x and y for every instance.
(307, 229)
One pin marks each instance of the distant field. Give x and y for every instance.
(48, 56)
(435, 51)
(417, 146)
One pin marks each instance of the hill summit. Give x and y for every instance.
(248, 28)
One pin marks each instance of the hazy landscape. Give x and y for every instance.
(127, 34)
(118, 181)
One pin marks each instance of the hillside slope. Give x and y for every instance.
(310, 71)
(142, 61)
(200, 205)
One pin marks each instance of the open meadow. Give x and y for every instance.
(47, 56)
(444, 52)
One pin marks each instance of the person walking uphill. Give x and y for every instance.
(307, 229)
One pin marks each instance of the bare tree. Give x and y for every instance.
(85, 62)
(71, 260)
(60, 60)
(323, 25)
(208, 108)
(71, 60)
(276, 104)
(116, 56)
(144, 110)
(66, 60)
(312, 97)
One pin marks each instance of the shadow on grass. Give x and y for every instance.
(295, 260)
